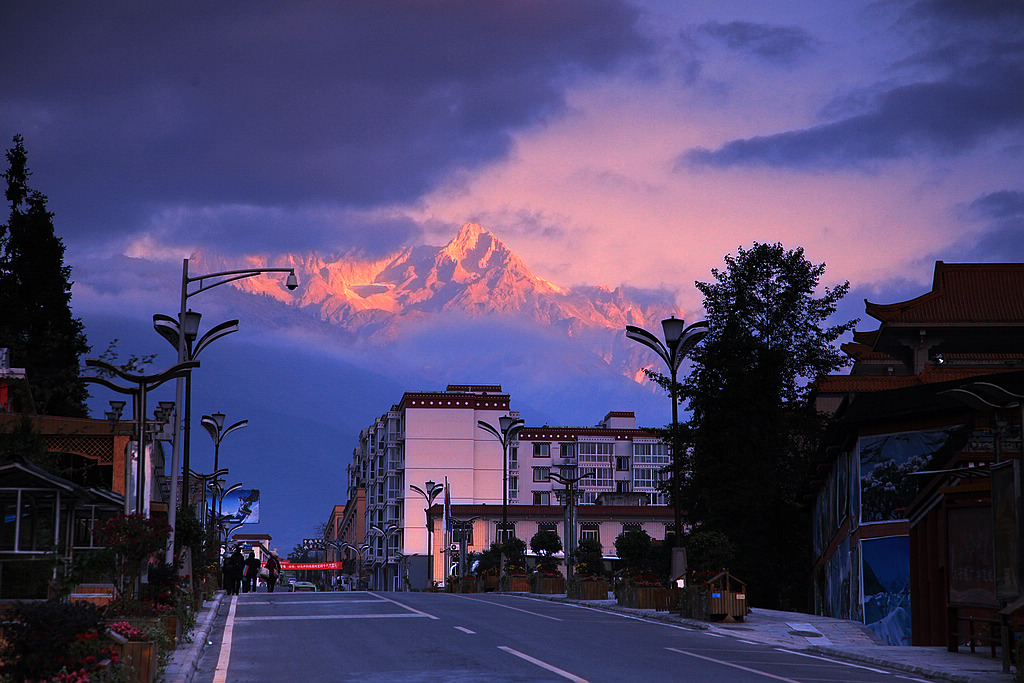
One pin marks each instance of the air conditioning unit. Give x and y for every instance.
(454, 547)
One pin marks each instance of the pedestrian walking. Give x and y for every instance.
(250, 572)
(233, 567)
(273, 571)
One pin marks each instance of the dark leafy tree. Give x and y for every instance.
(546, 543)
(35, 298)
(634, 548)
(709, 551)
(753, 425)
(589, 558)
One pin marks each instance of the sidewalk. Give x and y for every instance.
(186, 656)
(835, 638)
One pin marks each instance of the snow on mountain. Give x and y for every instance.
(473, 275)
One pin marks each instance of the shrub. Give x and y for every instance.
(546, 543)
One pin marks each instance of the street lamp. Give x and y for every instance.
(214, 425)
(189, 324)
(141, 385)
(386, 532)
(169, 329)
(509, 431)
(359, 550)
(570, 493)
(430, 491)
(678, 343)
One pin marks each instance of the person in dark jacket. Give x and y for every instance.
(251, 571)
(233, 567)
(274, 570)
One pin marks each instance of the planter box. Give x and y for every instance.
(517, 584)
(591, 590)
(488, 583)
(644, 597)
(139, 660)
(467, 586)
(548, 585)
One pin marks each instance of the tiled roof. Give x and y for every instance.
(962, 294)
(843, 384)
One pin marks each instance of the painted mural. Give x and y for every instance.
(885, 465)
(886, 576)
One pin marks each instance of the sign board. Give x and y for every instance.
(241, 506)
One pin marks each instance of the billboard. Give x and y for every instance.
(241, 506)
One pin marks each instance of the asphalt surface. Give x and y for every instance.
(837, 638)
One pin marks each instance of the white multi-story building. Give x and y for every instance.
(434, 437)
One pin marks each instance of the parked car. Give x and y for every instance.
(301, 586)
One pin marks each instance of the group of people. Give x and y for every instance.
(242, 573)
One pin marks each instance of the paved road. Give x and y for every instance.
(413, 637)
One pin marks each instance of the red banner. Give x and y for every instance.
(286, 565)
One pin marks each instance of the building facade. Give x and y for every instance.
(431, 438)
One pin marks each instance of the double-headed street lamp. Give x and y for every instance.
(679, 341)
(140, 386)
(570, 493)
(430, 491)
(360, 550)
(214, 425)
(385, 532)
(188, 325)
(509, 431)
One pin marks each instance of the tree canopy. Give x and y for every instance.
(35, 299)
(753, 424)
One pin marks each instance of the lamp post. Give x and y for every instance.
(678, 343)
(570, 493)
(430, 491)
(386, 532)
(189, 324)
(359, 550)
(170, 329)
(507, 432)
(141, 385)
(214, 425)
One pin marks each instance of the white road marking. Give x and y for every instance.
(544, 665)
(310, 617)
(465, 630)
(221, 674)
(517, 609)
(833, 661)
(411, 609)
(735, 666)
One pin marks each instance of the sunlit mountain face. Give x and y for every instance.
(469, 311)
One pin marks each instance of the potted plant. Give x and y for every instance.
(588, 581)
(547, 579)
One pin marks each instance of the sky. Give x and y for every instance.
(605, 142)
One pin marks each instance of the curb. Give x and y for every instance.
(185, 660)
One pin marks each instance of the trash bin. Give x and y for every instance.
(727, 597)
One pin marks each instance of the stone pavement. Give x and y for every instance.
(834, 638)
(186, 656)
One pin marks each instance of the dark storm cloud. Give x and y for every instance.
(966, 76)
(1002, 240)
(130, 106)
(780, 44)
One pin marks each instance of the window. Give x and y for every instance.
(463, 531)
(541, 473)
(590, 531)
(503, 534)
(542, 498)
(592, 451)
(567, 450)
(513, 457)
(513, 487)
(651, 454)
(622, 464)
(600, 477)
(622, 486)
(645, 478)
(631, 526)
(541, 450)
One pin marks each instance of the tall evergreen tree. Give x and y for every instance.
(753, 424)
(35, 298)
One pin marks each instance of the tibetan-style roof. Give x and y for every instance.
(963, 294)
(846, 384)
